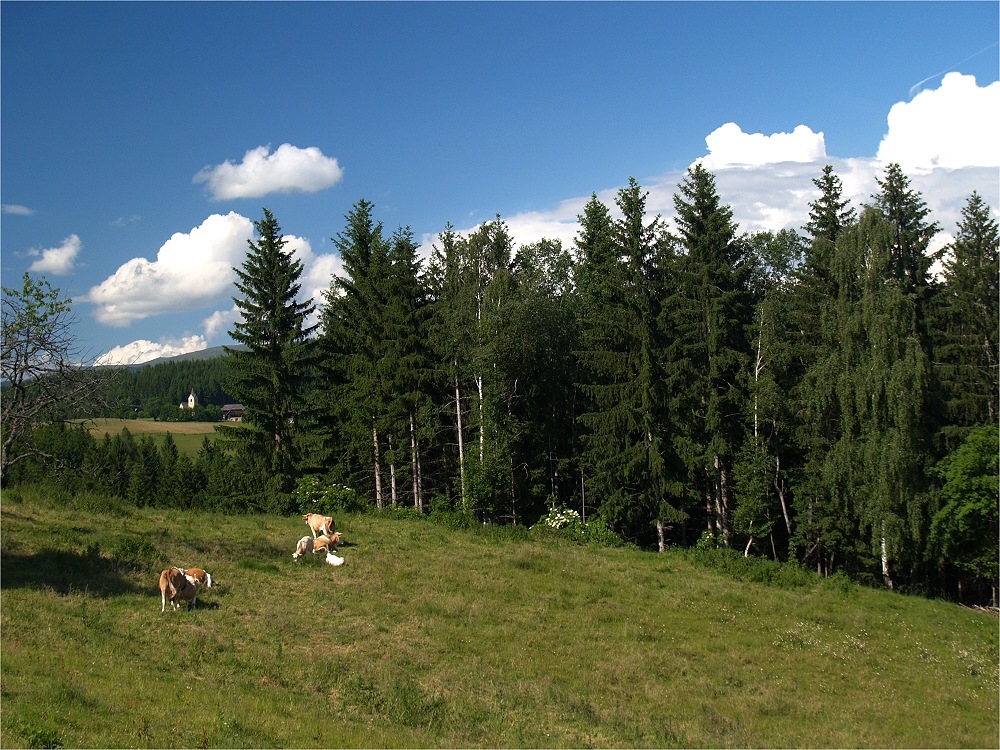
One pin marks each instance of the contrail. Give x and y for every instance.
(918, 84)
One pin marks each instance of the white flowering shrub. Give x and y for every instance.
(567, 523)
(314, 495)
(561, 517)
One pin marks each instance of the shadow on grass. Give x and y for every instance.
(65, 572)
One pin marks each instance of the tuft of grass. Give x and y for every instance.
(469, 636)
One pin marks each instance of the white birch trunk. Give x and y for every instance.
(418, 500)
(392, 477)
(779, 487)
(885, 560)
(379, 501)
(482, 432)
(461, 444)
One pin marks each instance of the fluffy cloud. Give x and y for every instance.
(16, 210)
(951, 127)
(56, 260)
(943, 139)
(289, 169)
(142, 350)
(729, 146)
(191, 270)
(220, 322)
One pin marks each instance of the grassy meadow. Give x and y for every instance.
(188, 436)
(431, 637)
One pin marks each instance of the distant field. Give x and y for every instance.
(188, 436)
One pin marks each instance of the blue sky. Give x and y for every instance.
(140, 140)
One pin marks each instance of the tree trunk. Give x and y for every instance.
(461, 444)
(661, 536)
(885, 561)
(392, 476)
(418, 500)
(379, 502)
(482, 423)
(721, 499)
(779, 487)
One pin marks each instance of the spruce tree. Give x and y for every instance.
(968, 321)
(711, 312)
(625, 417)
(600, 293)
(354, 343)
(907, 211)
(828, 216)
(269, 376)
(406, 367)
(451, 339)
(821, 527)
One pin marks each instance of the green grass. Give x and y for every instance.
(430, 637)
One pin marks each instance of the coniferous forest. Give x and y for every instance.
(827, 397)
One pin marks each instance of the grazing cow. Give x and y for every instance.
(304, 546)
(202, 577)
(332, 559)
(319, 524)
(175, 587)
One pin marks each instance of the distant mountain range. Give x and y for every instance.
(211, 353)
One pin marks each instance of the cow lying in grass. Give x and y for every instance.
(176, 587)
(304, 546)
(324, 543)
(319, 524)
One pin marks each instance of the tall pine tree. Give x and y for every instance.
(968, 320)
(822, 529)
(626, 416)
(711, 312)
(354, 343)
(269, 377)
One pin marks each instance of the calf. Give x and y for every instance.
(319, 524)
(176, 587)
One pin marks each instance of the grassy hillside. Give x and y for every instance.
(435, 638)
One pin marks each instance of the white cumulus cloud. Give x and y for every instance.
(143, 350)
(944, 139)
(729, 146)
(16, 210)
(191, 270)
(56, 260)
(220, 322)
(289, 169)
(951, 127)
